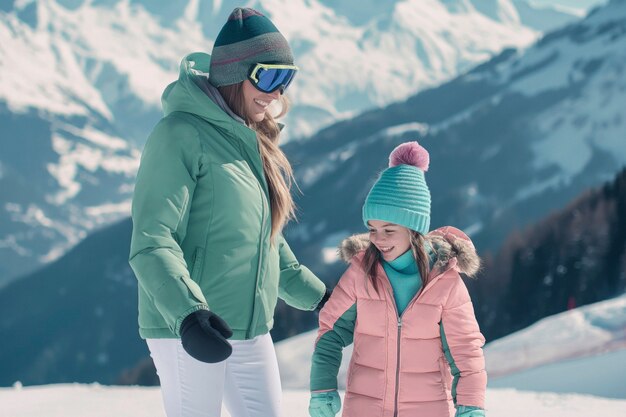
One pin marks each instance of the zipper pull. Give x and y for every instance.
(399, 321)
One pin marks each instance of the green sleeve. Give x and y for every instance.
(298, 286)
(328, 351)
(166, 180)
(456, 374)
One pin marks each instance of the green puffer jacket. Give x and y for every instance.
(202, 223)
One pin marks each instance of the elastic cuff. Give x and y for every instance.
(314, 306)
(182, 317)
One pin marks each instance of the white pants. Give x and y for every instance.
(248, 380)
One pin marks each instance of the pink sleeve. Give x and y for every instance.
(463, 344)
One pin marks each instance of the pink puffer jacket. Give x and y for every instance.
(401, 366)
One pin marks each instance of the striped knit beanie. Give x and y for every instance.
(246, 39)
(400, 195)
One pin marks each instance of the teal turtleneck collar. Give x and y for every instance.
(404, 264)
(404, 278)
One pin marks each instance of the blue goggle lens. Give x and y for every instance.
(272, 79)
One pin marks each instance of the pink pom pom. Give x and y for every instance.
(410, 153)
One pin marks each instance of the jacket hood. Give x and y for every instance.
(448, 242)
(186, 94)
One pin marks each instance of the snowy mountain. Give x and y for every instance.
(60, 177)
(81, 83)
(115, 56)
(510, 141)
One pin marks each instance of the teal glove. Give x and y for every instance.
(324, 404)
(469, 411)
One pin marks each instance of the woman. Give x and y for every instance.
(211, 197)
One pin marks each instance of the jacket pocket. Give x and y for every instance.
(195, 272)
(197, 263)
(194, 289)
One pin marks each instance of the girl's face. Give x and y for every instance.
(390, 239)
(256, 102)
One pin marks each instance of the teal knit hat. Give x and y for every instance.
(247, 38)
(400, 195)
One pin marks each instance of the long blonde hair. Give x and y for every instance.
(373, 258)
(278, 171)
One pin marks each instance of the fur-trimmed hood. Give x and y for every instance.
(448, 242)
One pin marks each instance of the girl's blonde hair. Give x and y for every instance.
(373, 258)
(278, 171)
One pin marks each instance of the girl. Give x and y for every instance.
(211, 197)
(417, 346)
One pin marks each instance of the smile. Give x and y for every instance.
(386, 249)
(261, 102)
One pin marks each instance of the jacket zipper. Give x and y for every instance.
(399, 317)
(259, 173)
(395, 407)
(258, 269)
(399, 336)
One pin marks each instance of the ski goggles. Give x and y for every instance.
(270, 77)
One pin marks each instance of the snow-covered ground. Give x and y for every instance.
(572, 364)
(581, 351)
(101, 401)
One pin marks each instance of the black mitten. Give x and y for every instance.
(203, 334)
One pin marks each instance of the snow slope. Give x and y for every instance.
(69, 400)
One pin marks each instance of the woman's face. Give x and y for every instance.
(389, 238)
(256, 102)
